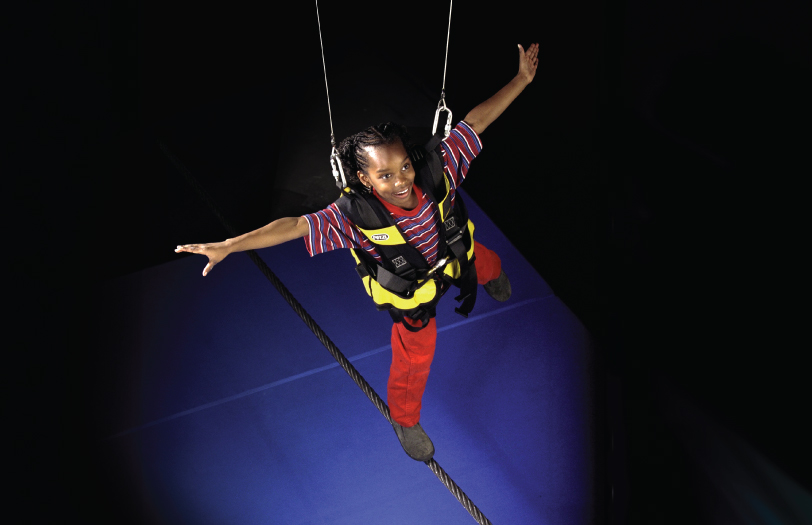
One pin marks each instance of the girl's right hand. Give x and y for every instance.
(216, 252)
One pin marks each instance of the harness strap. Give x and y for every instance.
(404, 257)
(434, 162)
(467, 281)
(422, 315)
(396, 284)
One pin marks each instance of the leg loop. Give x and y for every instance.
(419, 314)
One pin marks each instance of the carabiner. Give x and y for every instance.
(442, 107)
(335, 163)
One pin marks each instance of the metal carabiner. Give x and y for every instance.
(335, 163)
(437, 266)
(442, 107)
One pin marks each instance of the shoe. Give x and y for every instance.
(499, 288)
(415, 442)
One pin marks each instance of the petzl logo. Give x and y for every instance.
(398, 261)
(380, 237)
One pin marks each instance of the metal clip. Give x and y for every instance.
(442, 107)
(437, 266)
(335, 162)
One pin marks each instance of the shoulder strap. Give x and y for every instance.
(435, 162)
(455, 238)
(428, 163)
(364, 210)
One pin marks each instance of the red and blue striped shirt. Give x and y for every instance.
(330, 229)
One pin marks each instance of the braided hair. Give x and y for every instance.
(354, 157)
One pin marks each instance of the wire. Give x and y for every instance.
(447, 38)
(324, 66)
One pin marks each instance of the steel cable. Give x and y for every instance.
(326, 87)
(447, 39)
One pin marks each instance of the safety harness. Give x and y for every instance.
(402, 282)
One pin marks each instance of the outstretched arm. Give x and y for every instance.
(279, 231)
(481, 116)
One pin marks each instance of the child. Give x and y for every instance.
(407, 267)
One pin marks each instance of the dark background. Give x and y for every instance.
(653, 174)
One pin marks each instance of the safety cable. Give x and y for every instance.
(325, 340)
(324, 66)
(447, 38)
(441, 106)
(335, 159)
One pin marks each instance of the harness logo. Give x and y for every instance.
(380, 237)
(398, 261)
(450, 224)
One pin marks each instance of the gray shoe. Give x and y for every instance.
(499, 288)
(415, 442)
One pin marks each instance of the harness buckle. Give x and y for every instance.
(455, 239)
(442, 107)
(458, 236)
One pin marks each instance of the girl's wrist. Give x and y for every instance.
(522, 80)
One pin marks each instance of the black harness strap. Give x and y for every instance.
(455, 233)
(404, 259)
(390, 281)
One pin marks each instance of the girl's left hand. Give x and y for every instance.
(528, 62)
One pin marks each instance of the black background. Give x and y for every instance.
(653, 174)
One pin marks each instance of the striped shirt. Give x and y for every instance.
(330, 229)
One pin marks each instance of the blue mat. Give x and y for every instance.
(223, 408)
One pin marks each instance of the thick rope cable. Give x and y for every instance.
(466, 502)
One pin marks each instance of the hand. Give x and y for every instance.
(528, 62)
(216, 252)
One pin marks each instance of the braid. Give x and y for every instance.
(354, 158)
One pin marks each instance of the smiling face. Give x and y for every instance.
(391, 173)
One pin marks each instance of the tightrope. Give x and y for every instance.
(325, 340)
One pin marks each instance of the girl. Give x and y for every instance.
(411, 238)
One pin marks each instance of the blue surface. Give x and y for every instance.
(232, 412)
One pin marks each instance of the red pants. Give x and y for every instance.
(412, 352)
